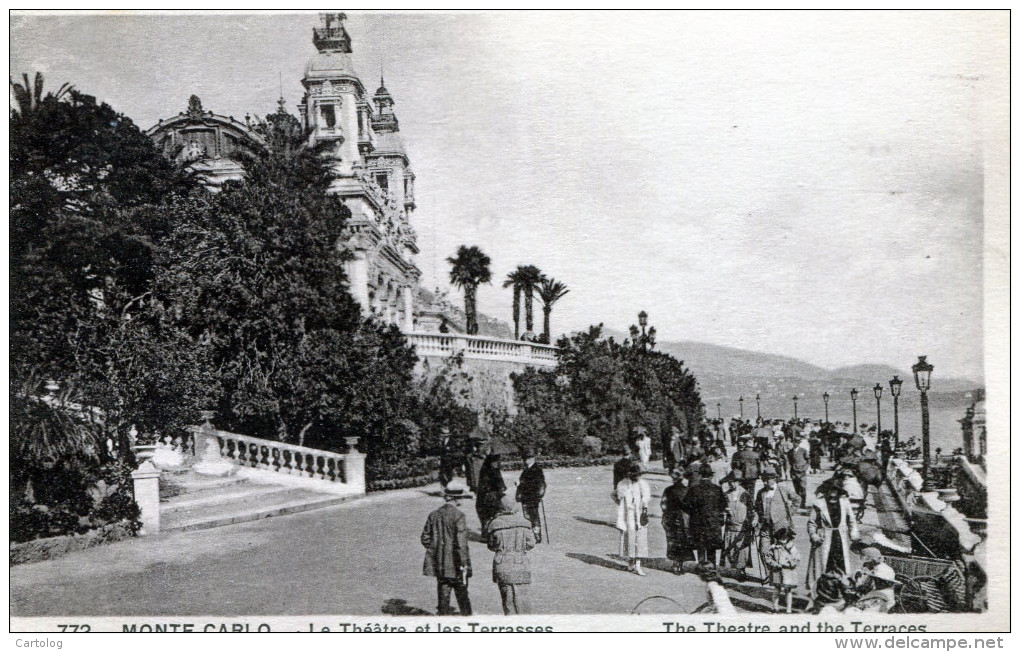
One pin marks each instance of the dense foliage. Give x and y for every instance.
(602, 388)
(83, 318)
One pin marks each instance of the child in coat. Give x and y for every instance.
(783, 558)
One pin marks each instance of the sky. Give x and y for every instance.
(804, 184)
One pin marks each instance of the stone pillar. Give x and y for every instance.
(207, 446)
(354, 467)
(408, 297)
(146, 482)
(357, 277)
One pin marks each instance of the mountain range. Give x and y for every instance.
(724, 371)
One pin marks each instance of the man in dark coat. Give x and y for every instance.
(799, 462)
(530, 490)
(446, 550)
(451, 458)
(705, 505)
(748, 462)
(674, 521)
(475, 460)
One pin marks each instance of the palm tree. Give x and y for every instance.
(29, 97)
(550, 292)
(515, 279)
(469, 269)
(530, 278)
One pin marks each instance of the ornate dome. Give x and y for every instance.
(329, 64)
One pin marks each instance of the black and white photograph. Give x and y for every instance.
(509, 321)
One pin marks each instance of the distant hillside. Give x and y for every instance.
(727, 371)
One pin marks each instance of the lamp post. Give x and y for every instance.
(922, 378)
(741, 408)
(853, 398)
(878, 406)
(894, 389)
(718, 411)
(794, 407)
(825, 398)
(757, 397)
(642, 318)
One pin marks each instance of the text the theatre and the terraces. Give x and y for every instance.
(360, 134)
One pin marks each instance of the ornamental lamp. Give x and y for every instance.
(878, 390)
(894, 386)
(922, 373)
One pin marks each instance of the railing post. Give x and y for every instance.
(354, 466)
(207, 445)
(146, 485)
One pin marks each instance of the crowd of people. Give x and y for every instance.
(738, 513)
(722, 511)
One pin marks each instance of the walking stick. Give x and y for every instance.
(545, 521)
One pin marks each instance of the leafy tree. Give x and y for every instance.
(601, 388)
(550, 292)
(469, 269)
(83, 316)
(261, 270)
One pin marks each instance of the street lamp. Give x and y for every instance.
(853, 397)
(825, 397)
(642, 318)
(757, 397)
(922, 378)
(718, 411)
(894, 388)
(794, 407)
(878, 405)
(741, 408)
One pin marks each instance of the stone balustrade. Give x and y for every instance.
(482, 348)
(346, 469)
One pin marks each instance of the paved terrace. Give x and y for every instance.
(364, 558)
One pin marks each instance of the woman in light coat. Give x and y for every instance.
(831, 527)
(510, 536)
(632, 496)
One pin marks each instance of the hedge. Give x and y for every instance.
(53, 547)
(420, 480)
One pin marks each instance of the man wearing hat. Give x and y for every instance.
(643, 444)
(530, 490)
(674, 520)
(799, 463)
(774, 508)
(706, 506)
(446, 550)
(748, 462)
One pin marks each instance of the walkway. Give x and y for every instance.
(364, 558)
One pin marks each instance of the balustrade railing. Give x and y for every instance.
(482, 348)
(285, 459)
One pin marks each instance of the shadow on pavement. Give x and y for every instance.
(399, 607)
(596, 561)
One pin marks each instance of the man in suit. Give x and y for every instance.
(446, 550)
(530, 490)
(774, 508)
(748, 462)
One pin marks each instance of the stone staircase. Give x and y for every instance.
(191, 501)
(213, 478)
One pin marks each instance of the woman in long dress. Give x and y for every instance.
(632, 496)
(831, 526)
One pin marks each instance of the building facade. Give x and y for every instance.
(359, 135)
